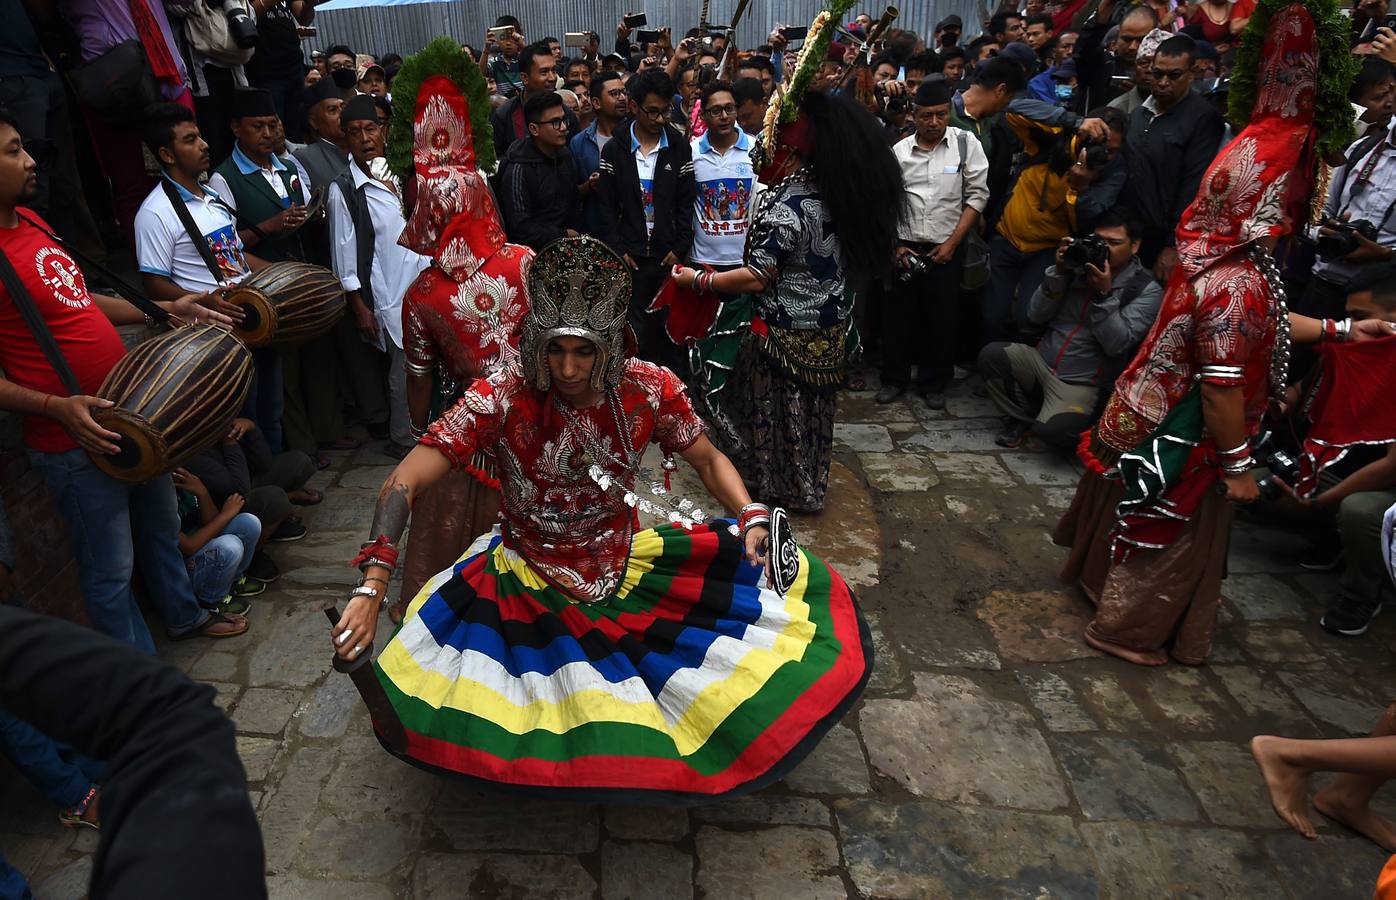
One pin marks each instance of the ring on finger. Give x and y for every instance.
(358, 649)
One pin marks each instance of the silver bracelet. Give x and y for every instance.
(1342, 330)
(1240, 467)
(364, 590)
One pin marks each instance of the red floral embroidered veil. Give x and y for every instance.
(454, 219)
(1260, 185)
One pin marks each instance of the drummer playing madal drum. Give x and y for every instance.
(109, 521)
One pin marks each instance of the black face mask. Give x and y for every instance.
(949, 39)
(344, 79)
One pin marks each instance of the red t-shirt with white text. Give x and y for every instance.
(85, 335)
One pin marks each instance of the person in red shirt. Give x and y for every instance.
(110, 522)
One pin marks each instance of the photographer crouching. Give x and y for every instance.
(1097, 301)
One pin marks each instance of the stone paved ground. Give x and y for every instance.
(994, 755)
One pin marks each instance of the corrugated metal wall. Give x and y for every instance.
(404, 29)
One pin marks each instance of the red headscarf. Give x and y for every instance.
(454, 219)
(1260, 184)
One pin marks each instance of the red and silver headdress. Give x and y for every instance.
(578, 287)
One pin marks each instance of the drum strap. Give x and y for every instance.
(19, 295)
(128, 292)
(195, 235)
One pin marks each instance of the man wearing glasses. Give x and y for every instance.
(725, 182)
(1172, 138)
(538, 188)
(646, 191)
(946, 173)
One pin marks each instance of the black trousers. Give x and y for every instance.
(920, 324)
(655, 345)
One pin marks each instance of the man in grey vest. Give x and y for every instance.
(366, 218)
(326, 157)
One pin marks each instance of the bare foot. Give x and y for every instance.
(1288, 785)
(1138, 657)
(1357, 816)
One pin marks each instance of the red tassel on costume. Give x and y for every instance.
(1083, 453)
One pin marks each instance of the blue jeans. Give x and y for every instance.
(12, 883)
(221, 562)
(111, 524)
(1013, 277)
(63, 774)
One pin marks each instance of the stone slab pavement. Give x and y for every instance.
(993, 754)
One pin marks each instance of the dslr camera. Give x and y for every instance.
(1088, 250)
(242, 27)
(1097, 156)
(1343, 240)
(915, 266)
(1279, 460)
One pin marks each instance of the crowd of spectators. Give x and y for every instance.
(1047, 152)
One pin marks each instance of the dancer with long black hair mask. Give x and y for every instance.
(826, 223)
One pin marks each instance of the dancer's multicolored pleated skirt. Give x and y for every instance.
(692, 682)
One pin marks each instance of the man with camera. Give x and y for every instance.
(1063, 183)
(1096, 303)
(947, 183)
(501, 59)
(1358, 230)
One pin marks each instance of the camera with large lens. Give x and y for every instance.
(1083, 251)
(242, 27)
(915, 266)
(1343, 240)
(1282, 464)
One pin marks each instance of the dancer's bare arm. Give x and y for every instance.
(420, 469)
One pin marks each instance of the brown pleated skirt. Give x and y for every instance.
(1085, 527)
(1172, 593)
(446, 520)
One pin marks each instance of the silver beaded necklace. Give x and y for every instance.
(1279, 356)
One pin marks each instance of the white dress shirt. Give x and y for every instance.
(937, 187)
(394, 266)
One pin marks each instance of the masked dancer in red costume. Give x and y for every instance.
(1149, 523)
(463, 316)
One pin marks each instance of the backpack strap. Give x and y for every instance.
(123, 287)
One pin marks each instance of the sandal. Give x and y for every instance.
(77, 816)
(306, 496)
(217, 625)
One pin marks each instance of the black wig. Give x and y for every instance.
(858, 178)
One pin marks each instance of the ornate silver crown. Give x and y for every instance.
(577, 287)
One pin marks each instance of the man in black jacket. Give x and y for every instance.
(646, 198)
(538, 69)
(538, 191)
(1171, 141)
